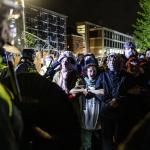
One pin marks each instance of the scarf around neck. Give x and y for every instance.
(90, 82)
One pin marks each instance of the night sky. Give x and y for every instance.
(115, 14)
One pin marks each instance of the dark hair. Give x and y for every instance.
(90, 62)
(28, 53)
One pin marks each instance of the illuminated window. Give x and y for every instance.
(81, 29)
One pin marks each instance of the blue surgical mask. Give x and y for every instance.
(128, 53)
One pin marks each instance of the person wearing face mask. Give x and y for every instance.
(132, 61)
(130, 50)
(113, 112)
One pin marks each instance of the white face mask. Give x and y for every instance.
(128, 53)
(148, 54)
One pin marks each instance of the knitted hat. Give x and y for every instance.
(90, 62)
(69, 55)
(89, 59)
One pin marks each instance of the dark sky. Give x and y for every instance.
(115, 14)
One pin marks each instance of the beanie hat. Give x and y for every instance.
(114, 55)
(69, 55)
(89, 59)
(90, 62)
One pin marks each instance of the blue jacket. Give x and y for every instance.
(115, 85)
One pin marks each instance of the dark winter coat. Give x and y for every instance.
(115, 86)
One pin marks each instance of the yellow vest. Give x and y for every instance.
(7, 98)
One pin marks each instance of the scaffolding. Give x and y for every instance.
(44, 29)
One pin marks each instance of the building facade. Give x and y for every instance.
(101, 40)
(75, 43)
(45, 29)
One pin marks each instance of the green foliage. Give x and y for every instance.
(142, 26)
(30, 40)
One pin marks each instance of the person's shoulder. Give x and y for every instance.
(23, 64)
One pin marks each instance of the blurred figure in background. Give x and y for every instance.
(47, 63)
(26, 64)
(10, 118)
(130, 50)
(80, 63)
(147, 55)
(114, 102)
(147, 68)
(67, 75)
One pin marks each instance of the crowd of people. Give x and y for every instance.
(73, 103)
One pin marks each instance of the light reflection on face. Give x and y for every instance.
(65, 64)
(115, 62)
(148, 54)
(91, 72)
(128, 52)
(112, 63)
